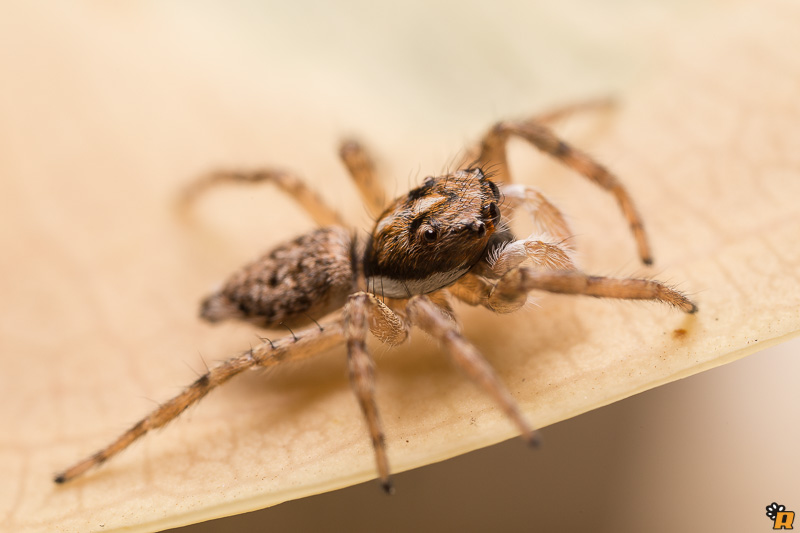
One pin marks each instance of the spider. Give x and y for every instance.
(448, 238)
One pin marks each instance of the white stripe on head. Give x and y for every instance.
(419, 206)
(423, 204)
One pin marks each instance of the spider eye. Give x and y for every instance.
(491, 212)
(429, 235)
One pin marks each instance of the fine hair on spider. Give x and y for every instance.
(445, 239)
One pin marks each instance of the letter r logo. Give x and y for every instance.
(783, 520)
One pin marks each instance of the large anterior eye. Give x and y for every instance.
(429, 235)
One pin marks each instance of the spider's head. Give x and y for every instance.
(429, 238)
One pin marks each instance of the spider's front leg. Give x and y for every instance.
(435, 321)
(493, 154)
(547, 218)
(547, 118)
(513, 287)
(363, 312)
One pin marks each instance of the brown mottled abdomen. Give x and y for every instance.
(298, 280)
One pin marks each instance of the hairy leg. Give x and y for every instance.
(547, 118)
(362, 169)
(493, 154)
(514, 286)
(428, 316)
(547, 218)
(296, 188)
(562, 112)
(362, 312)
(305, 344)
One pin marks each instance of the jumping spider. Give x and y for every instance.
(447, 238)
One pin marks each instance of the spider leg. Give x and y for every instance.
(361, 309)
(516, 283)
(428, 316)
(362, 170)
(289, 183)
(493, 152)
(309, 342)
(547, 118)
(562, 112)
(546, 217)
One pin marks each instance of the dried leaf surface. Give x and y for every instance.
(108, 111)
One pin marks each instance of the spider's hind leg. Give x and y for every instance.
(304, 344)
(291, 184)
(564, 111)
(362, 169)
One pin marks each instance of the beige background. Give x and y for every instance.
(108, 109)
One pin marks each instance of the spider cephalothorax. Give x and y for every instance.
(426, 240)
(443, 240)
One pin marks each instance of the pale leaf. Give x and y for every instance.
(108, 111)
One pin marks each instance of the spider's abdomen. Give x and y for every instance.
(295, 282)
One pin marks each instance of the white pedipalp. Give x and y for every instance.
(538, 249)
